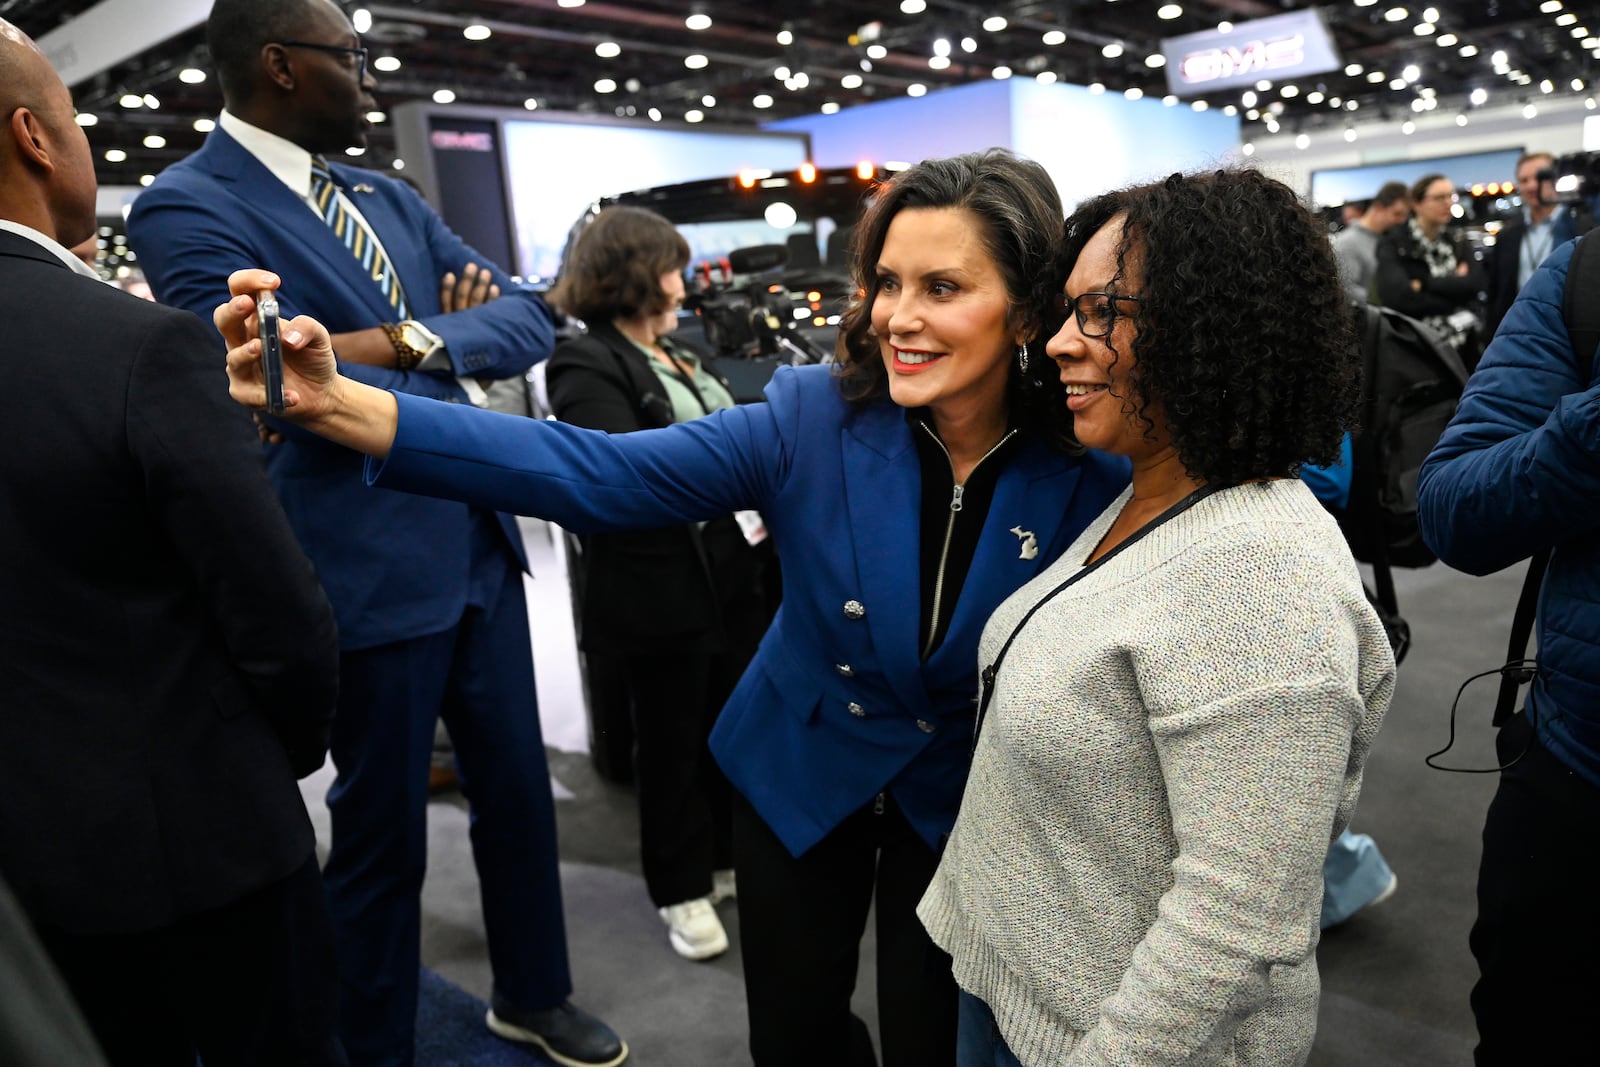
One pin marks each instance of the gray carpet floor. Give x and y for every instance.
(1395, 977)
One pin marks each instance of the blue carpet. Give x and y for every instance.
(451, 1032)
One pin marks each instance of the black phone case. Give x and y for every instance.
(271, 354)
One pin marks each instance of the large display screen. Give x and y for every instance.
(556, 169)
(1346, 184)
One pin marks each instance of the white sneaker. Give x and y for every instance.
(723, 886)
(694, 929)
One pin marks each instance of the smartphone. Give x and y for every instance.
(271, 350)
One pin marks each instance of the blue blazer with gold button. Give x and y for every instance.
(838, 704)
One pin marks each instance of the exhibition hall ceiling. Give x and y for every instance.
(751, 62)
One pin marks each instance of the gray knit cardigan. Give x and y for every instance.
(1136, 873)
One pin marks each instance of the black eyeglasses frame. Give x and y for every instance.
(360, 53)
(1075, 305)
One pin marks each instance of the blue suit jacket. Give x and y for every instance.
(833, 709)
(395, 566)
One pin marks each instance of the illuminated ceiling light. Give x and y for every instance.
(387, 64)
(1500, 59)
(1252, 114)
(356, 150)
(399, 164)
(1353, 69)
(151, 102)
(1155, 60)
(115, 155)
(1290, 91)
(1169, 101)
(1133, 92)
(531, 104)
(1315, 96)
(1396, 14)
(938, 62)
(785, 38)
(1001, 73)
(1376, 76)
(1048, 77)
(204, 125)
(1579, 31)
(1249, 98)
(1589, 103)
(1230, 111)
(361, 20)
(994, 23)
(1351, 105)
(477, 32)
(1053, 37)
(761, 100)
(708, 101)
(1423, 29)
(783, 74)
(1590, 42)
(1467, 51)
(608, 49)
(695, 61)
(1350, 134)
(800, 80)
(1199, 105)
(1248, 149)
(191, 75)
(1461, 119)
(1419, 105)
(1566, 20)
(154, 140)
(131, 100)
(829, 107)
(654, 114)
(913, 7)
(444, 96)
(850, 81)
(1263, 85)
(1577, 85)
(968, 44)
(1547, 86)
(1479, 97)
(1550, 7)
(1365, 3)
(1095, 88)
(604, 85)
(569, 3)
(1430, 15)
(146, 179)
(1411, 73)
(376, 117)
(693, 115)
(1408, 127)
(876, 51)
(1303, 141)
(916, 89)
(87, 118)
(1224, 27)
(698, 21)
(1530, 112)
(1112, 50)
(1169, 11)
(941, 47)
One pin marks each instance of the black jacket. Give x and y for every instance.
(1400, 262)
(644, 586)
(168, 662)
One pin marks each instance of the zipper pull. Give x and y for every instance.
(877, 804)
(955, 497)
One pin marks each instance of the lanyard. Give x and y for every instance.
(991, 673)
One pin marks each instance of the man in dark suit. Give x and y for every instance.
(167, 658)
(428, 593)
(1523, 243)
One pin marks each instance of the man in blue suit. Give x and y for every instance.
(428, 594)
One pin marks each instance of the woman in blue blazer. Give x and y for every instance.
(909, 489)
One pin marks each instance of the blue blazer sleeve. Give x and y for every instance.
(1518, 468)
(1331, 485)
(591, 481)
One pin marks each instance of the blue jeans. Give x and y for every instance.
(978, 1040)
(1352, 876)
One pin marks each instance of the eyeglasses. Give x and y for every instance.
(1440, 196)
(359, 54)
(1096, 312)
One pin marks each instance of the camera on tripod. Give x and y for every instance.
(1571, 179)
(753, 317)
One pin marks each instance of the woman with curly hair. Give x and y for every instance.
(908, 490)
(1174, 716)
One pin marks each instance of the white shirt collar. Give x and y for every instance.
(287, 161)
(50, 245)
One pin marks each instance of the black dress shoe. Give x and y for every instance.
(570, 1036)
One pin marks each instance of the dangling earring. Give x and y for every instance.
(1022, 357)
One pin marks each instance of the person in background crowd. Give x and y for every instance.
(169, 662)
(681, 608)
(1541, 227)
(1429, 273)
(1356, 246)
(1516, 473)
(429, 594)
(1179, 708)
(908, 490)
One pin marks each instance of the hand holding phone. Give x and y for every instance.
(271, 350)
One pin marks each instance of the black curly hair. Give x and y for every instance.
(1243, 335)
(1020, 212)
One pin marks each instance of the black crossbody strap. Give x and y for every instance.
(986, 680)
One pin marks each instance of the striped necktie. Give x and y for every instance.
(356, 237)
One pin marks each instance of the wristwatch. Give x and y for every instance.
(412, 341)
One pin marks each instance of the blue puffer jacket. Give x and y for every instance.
(1518, 470)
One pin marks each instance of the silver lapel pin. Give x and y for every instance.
(361, 187)
(1030, 543)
